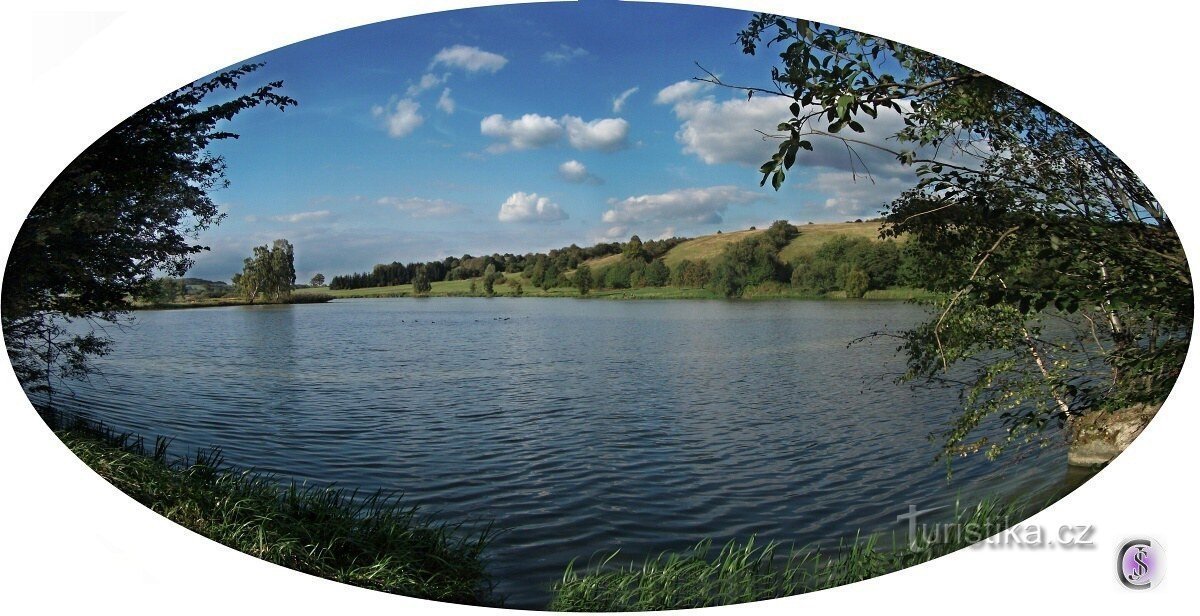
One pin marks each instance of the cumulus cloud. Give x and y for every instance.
(725, 132)
(417, 207)
(618, 233)
(850, 195)
(857, 182)
(470, 59)
(564, 54)
(606, 135)
(446, 104)
(618, 102)
(686, 205)
(728, 131)
(681, 90)
(428, 81)
(400, 118)
(577, 173)
(302, 216)
(529, 207)
(535, 131)
(528, 131)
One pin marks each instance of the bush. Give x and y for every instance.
(815, 275)
(857, 284)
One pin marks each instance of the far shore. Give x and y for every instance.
(461, 288)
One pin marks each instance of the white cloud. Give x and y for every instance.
(535, 131)
(688, 205)
(302, 216)
(470, 59)
(606, 135)
(729, 132)
(855, 182)
(725, 132)
(401, 118)
(577, 173)
(445, 103)
(528, 131)
(529, 207)
(681, 90)
(417, 207)
(618, 233)
(564, 54)
(856, 195)
(428, 81)
(618, 102)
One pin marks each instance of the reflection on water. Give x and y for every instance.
(576, 425)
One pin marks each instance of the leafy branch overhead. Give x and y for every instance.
(128, 208)
(1017, 217)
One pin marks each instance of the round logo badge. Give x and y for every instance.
(1140, 564)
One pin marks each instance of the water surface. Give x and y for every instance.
(576, 425)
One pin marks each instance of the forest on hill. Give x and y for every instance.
(814, 260)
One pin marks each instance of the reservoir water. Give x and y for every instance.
(576, 426)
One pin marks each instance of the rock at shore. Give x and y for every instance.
(1096, 438)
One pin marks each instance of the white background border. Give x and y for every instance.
(76, 68)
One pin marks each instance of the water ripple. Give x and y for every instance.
(577, 426)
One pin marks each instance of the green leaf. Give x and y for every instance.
(777, 179)
(843, 105)
(795, 109)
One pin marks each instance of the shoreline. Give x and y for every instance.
(417, 555)
(641, 293)
(895, 294)
(311, 298)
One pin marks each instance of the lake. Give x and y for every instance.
(577, 426)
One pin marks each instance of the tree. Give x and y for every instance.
(633, 249)
(1017, 216)
(489, 280)
(657, 274)
(125, 210)
(164, 290)
(421, 284)
(857, 283)
(317, 281)
(583, 279)
(270, 271)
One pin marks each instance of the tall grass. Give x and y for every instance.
(372, 541)
(309, 298)
(743, 571)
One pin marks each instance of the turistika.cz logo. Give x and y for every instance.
(1140, 564)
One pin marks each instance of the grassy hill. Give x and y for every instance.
(703, 248)
(812, 236)
(708, 247)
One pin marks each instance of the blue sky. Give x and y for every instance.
(517, 129)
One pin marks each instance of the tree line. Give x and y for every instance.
(854, 265)
(543, 270)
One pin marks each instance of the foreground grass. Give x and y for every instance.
(372, 542)
(742, 572)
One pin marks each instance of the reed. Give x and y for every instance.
(743, 571)
(372, 540)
